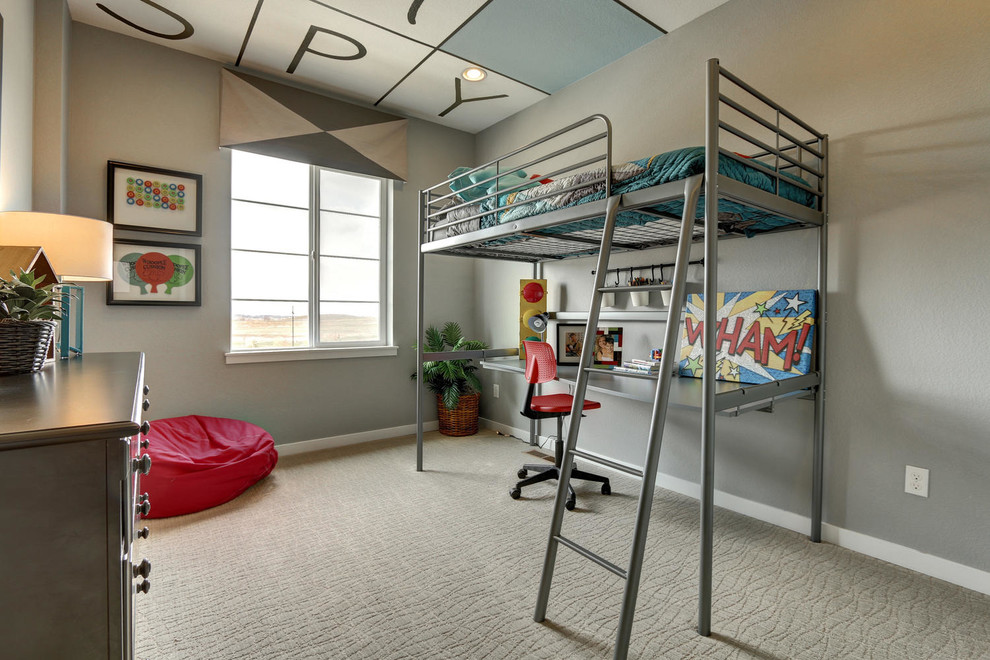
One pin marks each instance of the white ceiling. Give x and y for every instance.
(405, 56)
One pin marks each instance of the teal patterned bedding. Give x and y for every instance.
(636, 175)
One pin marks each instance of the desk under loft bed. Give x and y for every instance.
(701, 194)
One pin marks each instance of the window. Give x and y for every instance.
(308, 248)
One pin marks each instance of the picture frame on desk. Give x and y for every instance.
(608, 347)
(570, 341)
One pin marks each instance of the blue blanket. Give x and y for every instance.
(644, 173)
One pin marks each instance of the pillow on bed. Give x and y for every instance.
(468, 188)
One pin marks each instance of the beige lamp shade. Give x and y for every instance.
(79, 249)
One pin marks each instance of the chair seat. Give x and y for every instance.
(559, 403)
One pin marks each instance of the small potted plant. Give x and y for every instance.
(454, 382)
(28, 311)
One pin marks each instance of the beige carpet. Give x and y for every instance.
(351, 553)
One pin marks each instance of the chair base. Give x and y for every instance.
(544, 472)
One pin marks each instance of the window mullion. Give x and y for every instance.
(384, 204)
(314, 256)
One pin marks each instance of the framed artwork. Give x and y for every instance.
(154, 199)
(154, 273)
(608, 346)
(570, 340)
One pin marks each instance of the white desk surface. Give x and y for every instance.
(684, 392)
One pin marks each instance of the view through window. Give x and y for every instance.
(307, 256)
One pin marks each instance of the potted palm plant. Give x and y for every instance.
(454, 382)
(28, 312)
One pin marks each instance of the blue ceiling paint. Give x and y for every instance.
(550, 43)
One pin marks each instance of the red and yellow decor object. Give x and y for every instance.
(532, 311)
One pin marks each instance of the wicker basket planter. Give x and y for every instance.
(462, 420)
(24, 345)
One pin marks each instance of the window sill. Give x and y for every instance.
(295, 354)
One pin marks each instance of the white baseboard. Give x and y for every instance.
(936, 567)
(305, 446)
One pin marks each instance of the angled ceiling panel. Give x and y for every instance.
(672, 14)
(214, 29)
(551, 43)
(429, 21)
(431, 93)
(385, 52)
(307, 42)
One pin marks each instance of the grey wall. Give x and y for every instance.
(901, 87)
(16, 109)
(52, 36)
(115, 114)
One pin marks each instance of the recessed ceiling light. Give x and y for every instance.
(474, 74)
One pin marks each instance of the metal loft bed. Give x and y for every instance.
(715, 201)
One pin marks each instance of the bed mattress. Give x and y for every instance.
(627, 177)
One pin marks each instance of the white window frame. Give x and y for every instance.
(318, 350)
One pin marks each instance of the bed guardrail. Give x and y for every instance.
(437, 203)
(788, 151)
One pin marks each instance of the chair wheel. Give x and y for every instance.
(606, 489)
(515, 493)
(569, 504)
(522, 473)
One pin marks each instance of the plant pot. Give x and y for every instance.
(665, 297)
(640, 298)
(24, 345)
(462, 420)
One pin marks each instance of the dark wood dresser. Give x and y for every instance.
(70, 462)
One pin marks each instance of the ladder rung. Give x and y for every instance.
(584, 552)
(608, 463)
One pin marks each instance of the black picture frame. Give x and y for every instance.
(135, 206)
(570, 340)
(608, 347)
(142, 276)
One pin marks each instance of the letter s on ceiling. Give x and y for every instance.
(187, 28)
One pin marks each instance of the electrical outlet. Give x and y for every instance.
(495, 390)
(916, 480)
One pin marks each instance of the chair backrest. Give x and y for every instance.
(541, 364)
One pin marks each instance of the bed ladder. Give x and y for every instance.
(632, 573)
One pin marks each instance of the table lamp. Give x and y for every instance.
(79, 249)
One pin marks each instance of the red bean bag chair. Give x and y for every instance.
(199, 462)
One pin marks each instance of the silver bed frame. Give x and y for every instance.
(531, 242)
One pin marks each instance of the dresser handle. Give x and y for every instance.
(143, 587)
(145, 427)
(143, 464)
(145, 443)
(143, 569)
(143, 533)
(145, 404)
(146, 390)
(144, 508)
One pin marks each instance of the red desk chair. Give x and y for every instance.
(541, 367)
